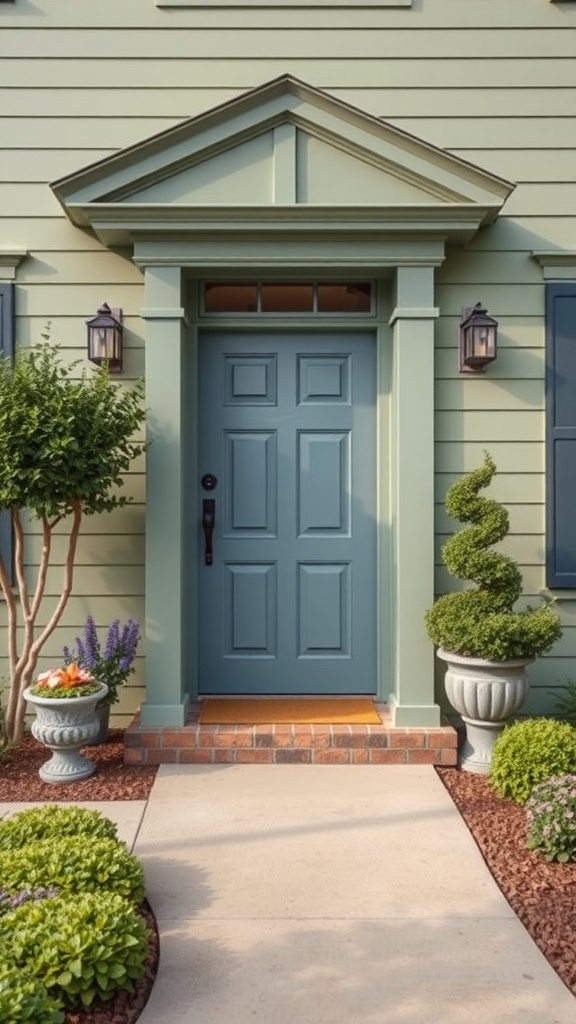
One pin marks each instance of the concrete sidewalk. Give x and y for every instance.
(319, 895)
(327, 895)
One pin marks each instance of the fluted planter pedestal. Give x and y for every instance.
(486, 694)
(64, 726)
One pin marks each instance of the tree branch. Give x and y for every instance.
(68, 580)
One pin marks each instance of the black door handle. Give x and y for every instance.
(208, 520)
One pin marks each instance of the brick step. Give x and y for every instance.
(194, 743)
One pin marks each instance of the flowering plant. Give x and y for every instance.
(10, 900)
(71, 681)
(551, 818)
(112, 662)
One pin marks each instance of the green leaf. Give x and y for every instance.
(117, 970)
(88, 996)
(76, 968)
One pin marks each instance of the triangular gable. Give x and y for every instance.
(279, 146)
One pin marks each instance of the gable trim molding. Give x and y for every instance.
(258, 163)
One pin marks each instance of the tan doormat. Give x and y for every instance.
(289, 711)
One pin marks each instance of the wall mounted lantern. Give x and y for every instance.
(105, 338)
(478, 333)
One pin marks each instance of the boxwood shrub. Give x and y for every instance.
(73, 864)
(529, 752)
(53, 820)
(80, 947)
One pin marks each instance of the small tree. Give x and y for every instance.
(65, 443)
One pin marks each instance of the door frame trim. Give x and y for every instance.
(405, 346)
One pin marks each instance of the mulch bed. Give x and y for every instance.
(113, 780)
(542, 895)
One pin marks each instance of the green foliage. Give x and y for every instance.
(76, 864)
(64, 439)
(529, 752)
(82, 947)
(25, 1000)
(53, 821)
(566, 703)
(482, 622)
(65, 692)
(551, 818)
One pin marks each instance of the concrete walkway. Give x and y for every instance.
(318, 895)
(327, 895)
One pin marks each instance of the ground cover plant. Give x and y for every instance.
(25, 999)
(79, 946)
(70, 920)
(551, 818)
(74, 864)
(49, 821)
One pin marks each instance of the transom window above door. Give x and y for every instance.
(303, 297)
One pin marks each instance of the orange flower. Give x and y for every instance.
(61, 678)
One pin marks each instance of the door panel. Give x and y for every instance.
(287, 425)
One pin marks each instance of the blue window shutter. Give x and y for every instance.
(6, 348)
(561, 435)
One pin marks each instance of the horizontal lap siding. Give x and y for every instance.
(493, 82)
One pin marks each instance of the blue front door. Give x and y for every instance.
(288, 459)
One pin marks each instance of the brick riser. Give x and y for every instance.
(289, 744)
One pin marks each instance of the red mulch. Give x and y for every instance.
(113, 780)
(542, 895)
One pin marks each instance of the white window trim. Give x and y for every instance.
(281, 3)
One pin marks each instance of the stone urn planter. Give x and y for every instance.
(486, 694)
(64, 726)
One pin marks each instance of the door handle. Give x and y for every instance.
(208, 520)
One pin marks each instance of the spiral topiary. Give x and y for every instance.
(482, 623)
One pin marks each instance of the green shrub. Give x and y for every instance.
(52, 820)
(82, 947)
(551, 818)
(529, 752)
(25, 1000)
(73, 864)
(482, 622)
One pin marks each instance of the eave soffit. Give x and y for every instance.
(282, 154)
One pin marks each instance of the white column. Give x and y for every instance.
(412, 321)
(166, 701)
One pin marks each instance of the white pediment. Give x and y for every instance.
(284, 145)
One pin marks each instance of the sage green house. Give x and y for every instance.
(292, 205)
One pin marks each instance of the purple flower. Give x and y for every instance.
(115, 661)
(92, 645)
(112, 640)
